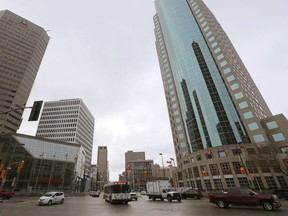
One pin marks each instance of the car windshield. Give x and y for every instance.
(250, 191)
(48, 194)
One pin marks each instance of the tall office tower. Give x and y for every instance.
(70, 121)
(102, 167)
(22, 47)
(212, 100)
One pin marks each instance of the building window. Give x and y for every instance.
(217, 50)
(243, 181)
(243, 105)
(230, 182)
(208, 33)
(227, 70)
(284, 149)
(218, 184)
(230, 78)
(239, 95)
(270, 182)
(222, 154)
(236, 152)
(223, 63)
(258, 138)
(248, 115)
(219, 57)
(272, 125)
(211, 39)
(198, 158)
(253, 126)
(225, 166)
(282, 182)
(278, 137)
(234, 86)
(208, 185)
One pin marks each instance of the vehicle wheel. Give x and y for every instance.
(221, 204)
(267, 206)
(50, 202)
(136, 199)
(179, 199)
(169, 198)
(62, 201)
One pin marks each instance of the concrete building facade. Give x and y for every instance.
(71, 121)
(102, 167)
(22, 47)
(215, 109)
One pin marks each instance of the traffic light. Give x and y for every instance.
(204, 173)
(3, 172)
(242, 171)
(20, 166)
(34, 114)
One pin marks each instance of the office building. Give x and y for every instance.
(102, 167)
(22, 47)
(46, 164)
(219, 120)
(71, 121)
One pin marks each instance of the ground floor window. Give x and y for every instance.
(243, 181)
(208, 185)
(271, 183)
(218, 184)
(258, 184)
(199, 184)
(230, 182)
(282, 182)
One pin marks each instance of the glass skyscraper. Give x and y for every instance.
(211, 98)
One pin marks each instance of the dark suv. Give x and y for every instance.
(281, 193)
(191, 193)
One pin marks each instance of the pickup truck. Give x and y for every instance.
(244, 196)
(6, 195)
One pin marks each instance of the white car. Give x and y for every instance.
(133, 196)
(51, 198)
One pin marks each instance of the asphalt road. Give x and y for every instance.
(95, 206)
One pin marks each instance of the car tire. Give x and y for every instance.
(221, 204)
(267, 206)
(179, 199)
(169, 198)
(50, 202)
(62, 201)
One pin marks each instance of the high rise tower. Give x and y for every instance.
(212, 100)
(22, 47)
(70, 121)
(102, 166)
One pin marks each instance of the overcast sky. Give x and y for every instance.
(103, 52)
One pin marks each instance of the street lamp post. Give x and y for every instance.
(162, 164)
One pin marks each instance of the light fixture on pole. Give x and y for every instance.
(162, 164)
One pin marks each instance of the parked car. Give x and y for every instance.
(194, 194)
(281, 193)
(6, 195)
(96, 193)
(133, 196)
(143, 193)
(51, 198)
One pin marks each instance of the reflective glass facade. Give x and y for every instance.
(207, 84)
(48, 165)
